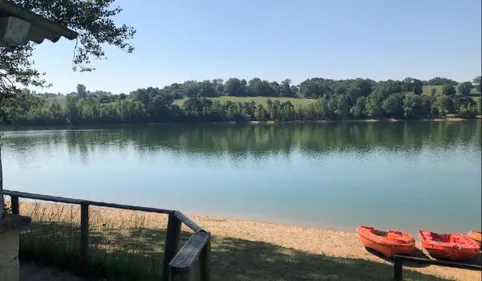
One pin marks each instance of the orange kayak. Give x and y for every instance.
(450, 246)
(476, 236)
(389, 242)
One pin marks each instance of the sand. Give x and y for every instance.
(310, 240)
(329, 242)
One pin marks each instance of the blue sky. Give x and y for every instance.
(180, 40)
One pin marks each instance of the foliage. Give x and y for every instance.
(441, 81)
(448, 90)
(208, 101)
(478, 83)
(465, 88)
(92, 20)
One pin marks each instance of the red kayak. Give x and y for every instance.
(450, 246)
(389, 242)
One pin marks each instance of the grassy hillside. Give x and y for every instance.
(258, 100)
(262, 100)
(428, 89)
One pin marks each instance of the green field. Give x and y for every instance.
(262, 100)
(428, 90)
(257, 100)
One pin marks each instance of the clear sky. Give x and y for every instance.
(180, 40)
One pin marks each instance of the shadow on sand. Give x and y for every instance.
(136, 254)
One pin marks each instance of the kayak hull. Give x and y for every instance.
(388, 243)
(476, 236)
(450, 246)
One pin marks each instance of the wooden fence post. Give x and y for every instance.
(15, 205)
(205, 261)
(84, 233)
(398, 269)
(173, 234)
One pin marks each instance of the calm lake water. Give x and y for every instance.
(391, 175)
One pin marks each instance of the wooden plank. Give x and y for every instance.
(188, 222)
(438, 262)
(42, 197)
(173, 234)
(84, 233)
(205, 261)
(15, 205)
(189, 253)
(79, 201)
(131, 207)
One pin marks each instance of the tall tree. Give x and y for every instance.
(81, 91)
(448, 90)
(417, 86)
(465, 88)
(478, 83)
(92, 20)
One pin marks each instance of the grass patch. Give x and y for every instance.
(128, 245)
(428, 90)
(257, 100)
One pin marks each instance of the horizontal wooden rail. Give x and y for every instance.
(88, 202)
(181, 265)
(188, 222)
(399, 260)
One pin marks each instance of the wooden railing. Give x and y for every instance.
(177, 265)
(399, 260)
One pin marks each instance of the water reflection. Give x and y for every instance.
(239, 142)
(399, 175)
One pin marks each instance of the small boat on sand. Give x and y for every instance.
(389, 242)
(450, 246)
(476, 236)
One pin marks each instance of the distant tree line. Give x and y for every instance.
(332, 100)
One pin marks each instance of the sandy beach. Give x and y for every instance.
(320, 241)
(255, 249)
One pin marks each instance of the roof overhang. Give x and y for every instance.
(35, 27)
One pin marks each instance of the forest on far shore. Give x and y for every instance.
(239, 100)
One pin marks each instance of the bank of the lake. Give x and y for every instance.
(132, 243)
(445, 119)
(324, 121)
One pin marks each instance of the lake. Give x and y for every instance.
(404, 175)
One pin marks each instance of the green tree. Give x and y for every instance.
(443, 104)
(448, 90)
(477, 83)
(412, 105)
(233, 87)
(358, 110)
(374, 105)
(441, 81)
(465, 88)
(467, 111)
(93, 20)
(433, 91)
(81, 91)
(393, 106)
(417, 86)
(285, 88)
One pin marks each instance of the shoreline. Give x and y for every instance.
(262, 237)
(269, 122)
(383, 120)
